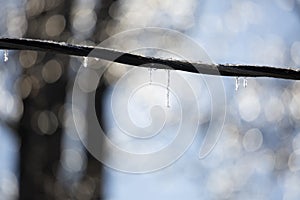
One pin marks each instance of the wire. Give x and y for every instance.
(138, 60)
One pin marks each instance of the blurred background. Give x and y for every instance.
(257, 155)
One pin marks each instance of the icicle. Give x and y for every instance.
(5, 55)
(245, 83)
(168, 89)
(237, 83)
(85, 61)
(150, 75)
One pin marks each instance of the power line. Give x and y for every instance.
(138, 60)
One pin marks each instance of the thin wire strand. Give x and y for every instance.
(137, 60)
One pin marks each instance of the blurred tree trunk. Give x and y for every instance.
(40, 128)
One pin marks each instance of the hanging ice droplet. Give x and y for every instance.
(5, 55)
(245, 83)
(168, 88)
(237, 83)
(85, 61)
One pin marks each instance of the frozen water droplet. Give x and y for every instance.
(245, 83)
(85, 61)
(168, 88)
(150, 75)
(237, 83)
(5, 55)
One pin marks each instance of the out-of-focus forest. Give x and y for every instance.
(257, 155)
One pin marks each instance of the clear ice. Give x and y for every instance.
(168, 89)
(245, 83)
(237, 83)
(85, 61)
(5, 55)
(150, 75)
